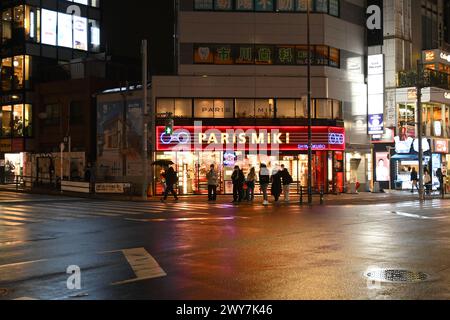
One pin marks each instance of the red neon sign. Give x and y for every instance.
(190, 138)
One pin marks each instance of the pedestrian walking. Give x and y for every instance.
(238, 180)
(213, 180)
(277, 186)
(428, 181)
(251, 183)
(287, 181)
(414, 180)
(440, 176)
(171, 181)
(264, 182)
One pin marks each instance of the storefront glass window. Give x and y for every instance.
(6, 116)
(7, 73)
(285, 108)
(245, 108)
(334, 8)
(265, 5)
(223, 5)
(245, 5)
(302, 5)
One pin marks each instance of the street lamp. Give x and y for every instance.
(309, 104)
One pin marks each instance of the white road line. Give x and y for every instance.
(18, 264)
(143, 264)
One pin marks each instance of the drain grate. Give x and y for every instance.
(397, 276)
(3, 292)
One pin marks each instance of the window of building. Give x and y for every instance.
(245, 108)
(245, 5)
(337, 110)
(223, 5)
(264, 5)
(335, 58)
(321, 55)
(76, 113)
(285, 5)
(324, 109)
(19, 72)
(223, 109)
(203, 4)
(18, 120)
(264, 108)
(321, 6)
(53, 114)
(6, 26)
(334, 8)
(28, 116)
(6, 119)
(204, 108)
(7, 73)
(285, 108)
(302, 5)
(183, 108)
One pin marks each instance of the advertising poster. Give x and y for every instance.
(49, 21)
(376, 124)
(80, 38)
(383, 167)
(65, 30)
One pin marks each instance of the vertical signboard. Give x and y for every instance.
(374, 22)
(49, 21)
(375, 64)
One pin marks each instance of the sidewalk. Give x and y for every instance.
(390, 196)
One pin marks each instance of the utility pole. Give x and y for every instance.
(310, 200)
(144, 118)
(419, 86)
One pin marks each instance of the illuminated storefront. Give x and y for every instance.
(193, 150)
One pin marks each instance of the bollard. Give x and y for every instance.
(321, 196)
(301, 196)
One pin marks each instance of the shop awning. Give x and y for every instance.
(411, 157)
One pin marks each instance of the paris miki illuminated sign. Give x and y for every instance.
(250, 138)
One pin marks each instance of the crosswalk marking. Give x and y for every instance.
(144, 266)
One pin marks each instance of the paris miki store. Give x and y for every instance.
(196, 144)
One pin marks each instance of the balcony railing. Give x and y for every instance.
(429, 78)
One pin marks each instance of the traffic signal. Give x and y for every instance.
(169, 127)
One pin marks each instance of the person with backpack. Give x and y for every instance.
(171, 181)
(213, 179)
(287, 181)
(238, 180)
(264, 181)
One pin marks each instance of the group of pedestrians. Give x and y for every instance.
(427, 180)
(244, 187)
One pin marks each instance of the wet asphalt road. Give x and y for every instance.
(135, 250)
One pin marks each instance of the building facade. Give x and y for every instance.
(415, 41)
(37, 38)
(241, 86)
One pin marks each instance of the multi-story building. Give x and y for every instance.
(415, 38)
(242, 72)
(36, 37)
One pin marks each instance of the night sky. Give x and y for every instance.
(126, 23)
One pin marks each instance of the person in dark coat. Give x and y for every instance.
(171, 180)
(414, 180)
(238, 179)
(277, 186)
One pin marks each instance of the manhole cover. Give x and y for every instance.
(3, 292)
(397, 275)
